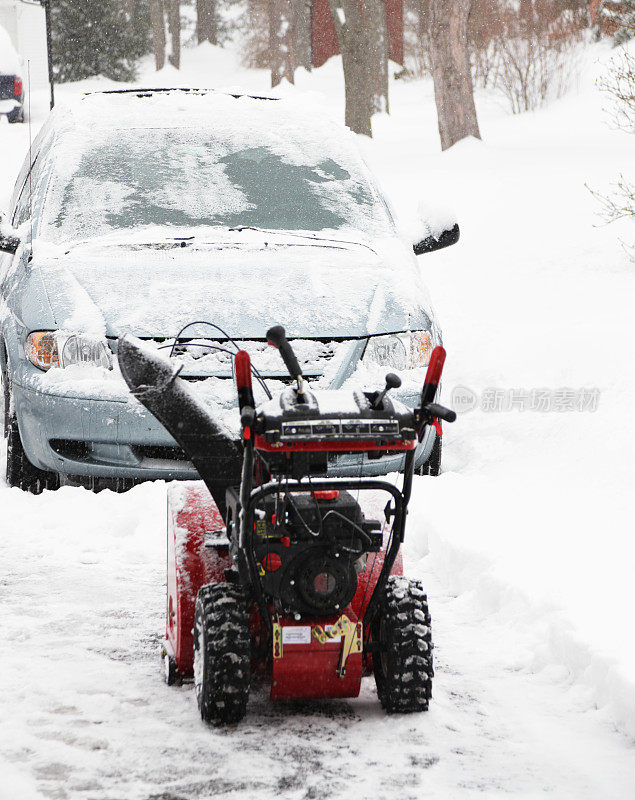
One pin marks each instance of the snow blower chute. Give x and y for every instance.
(275, 568)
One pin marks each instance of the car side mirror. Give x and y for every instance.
(9, 244)
(444, 239)
(434, 227)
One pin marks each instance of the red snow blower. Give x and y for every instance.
(274, 568)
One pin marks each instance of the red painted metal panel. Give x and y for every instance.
(309, 671)
(332, 446)
(190, 563)
(325, 42)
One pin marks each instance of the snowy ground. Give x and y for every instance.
(525, 542)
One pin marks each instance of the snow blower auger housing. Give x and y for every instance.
(273, 567)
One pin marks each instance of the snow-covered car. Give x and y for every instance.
(147, 211)
(11, 84)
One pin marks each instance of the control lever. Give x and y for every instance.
(392, 382)
(277, 337)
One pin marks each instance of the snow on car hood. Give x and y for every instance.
(243, 282)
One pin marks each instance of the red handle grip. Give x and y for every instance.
(243, 379)
(433, 375)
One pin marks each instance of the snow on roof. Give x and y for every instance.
(9, 59)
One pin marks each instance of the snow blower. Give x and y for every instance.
(274, 568)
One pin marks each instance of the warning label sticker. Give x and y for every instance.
(296, 634)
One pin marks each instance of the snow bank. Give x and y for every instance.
(515, 574)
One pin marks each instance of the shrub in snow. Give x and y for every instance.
(619, 84)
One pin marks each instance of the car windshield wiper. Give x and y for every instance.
(298, 235)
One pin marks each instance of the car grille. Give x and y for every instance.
(159, 452)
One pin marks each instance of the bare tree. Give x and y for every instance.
(281, 45)
(174, 27)
(158, 32)
(377, 27)
(351, 33)
(451, 71)
(302, 33)
(206, 21)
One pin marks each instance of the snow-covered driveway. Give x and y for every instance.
(526, 542)
(85, 712)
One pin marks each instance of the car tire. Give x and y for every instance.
(433, 465)
(5, 402)
(20, 471)
(17, 115)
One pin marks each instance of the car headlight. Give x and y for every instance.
(400, 350)
(47, 349)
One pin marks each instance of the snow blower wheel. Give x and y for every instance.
(403, 661)
(221, 653)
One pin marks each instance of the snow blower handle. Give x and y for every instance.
(243, 380)
(431, 411)
(440, 412)
(277, 337)
(433, 376)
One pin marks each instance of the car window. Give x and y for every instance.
(189, 178)
(29, 199)
(23, 206)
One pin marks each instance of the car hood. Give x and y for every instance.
(315, 288)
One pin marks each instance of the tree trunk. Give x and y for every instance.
(281, 52)
(174, 26)
(453, 90)
(206, 21)
(377, 28)
(303, 47)
(353, 41)
(158, 32)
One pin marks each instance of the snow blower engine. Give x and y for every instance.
(273, 567)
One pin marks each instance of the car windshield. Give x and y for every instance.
(188, 178)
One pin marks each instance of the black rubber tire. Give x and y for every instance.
(222, 653)
(20, 471)
(433, 465)
(17, 115)
(5, 403)
(170, 672)
(403, 663)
